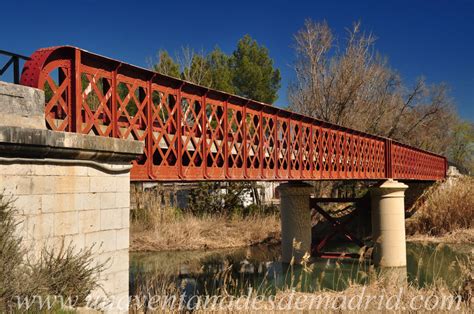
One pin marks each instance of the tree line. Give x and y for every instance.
(248, 72)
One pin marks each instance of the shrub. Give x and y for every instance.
(62, 273)
(227, 199)
(448, 206)
(218, 198)
(152, 207)
(11, 253)
(66, 272)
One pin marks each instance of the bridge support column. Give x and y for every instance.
(388, 224)
(295, 218)
(70, 191)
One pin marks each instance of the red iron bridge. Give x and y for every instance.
(194, 133)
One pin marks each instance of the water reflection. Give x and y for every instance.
(258, 268)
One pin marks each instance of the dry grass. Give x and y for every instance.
(209, 232)
(409, 299)
(460, 236)
(447, 207)
(63, 272)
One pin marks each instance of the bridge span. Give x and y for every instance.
(195, 133)
(66, 149)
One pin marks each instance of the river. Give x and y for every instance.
(258, 267)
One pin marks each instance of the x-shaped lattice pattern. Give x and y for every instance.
(131, 112)
(164, 127)
(235, 138)
(96, 114)
(215, 129)
(269, 145)
(253, 140)
(282, 153)
(306, 149)
(57, 108)
(191, 117)
(295, 148)
(182, 127)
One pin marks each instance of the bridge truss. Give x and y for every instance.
(195, 133)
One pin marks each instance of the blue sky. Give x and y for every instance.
(430, 38)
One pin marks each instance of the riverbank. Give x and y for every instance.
(445, 214)
(194, 233)
(212, 232)
(460, 236)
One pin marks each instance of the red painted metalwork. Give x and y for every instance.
(194, 133)
(339, 227)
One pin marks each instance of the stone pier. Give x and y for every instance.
(295, 218)
(388, 229)
(68, 188)
(388, 224)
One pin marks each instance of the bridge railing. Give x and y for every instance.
(195, 133)
(14, 60)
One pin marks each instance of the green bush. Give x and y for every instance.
(225, 198)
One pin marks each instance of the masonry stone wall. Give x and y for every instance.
(68, 188)
(75, 204)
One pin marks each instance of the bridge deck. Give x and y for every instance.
(195, 133)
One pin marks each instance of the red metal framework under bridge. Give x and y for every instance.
(195, 133)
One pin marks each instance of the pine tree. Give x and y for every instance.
(253, 73)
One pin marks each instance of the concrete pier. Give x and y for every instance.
(388, 224)
(295, 218)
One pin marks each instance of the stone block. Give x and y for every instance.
(40, 226)
(60, 170)
(21, 229)
(66, 184)
(121, 280)
(123, 199)
(122, 184)
(102, 184)
(105, 258)
(104, 241)
(59, 202)
(118, 261)
(110, 219)
(17, 170)
(89, 221)
(28, 204)
(43, 185)
(18, 185)
(125, 217)
(123, 239)
(66, 223)
(21, 106)
(76, 241)
(107, 200)
(95, 172)
(91, 200)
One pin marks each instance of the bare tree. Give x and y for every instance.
(350, 84)
(195, 66)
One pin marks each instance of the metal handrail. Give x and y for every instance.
(15, 60)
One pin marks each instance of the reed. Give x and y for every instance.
(447, 207)
(190, 232)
